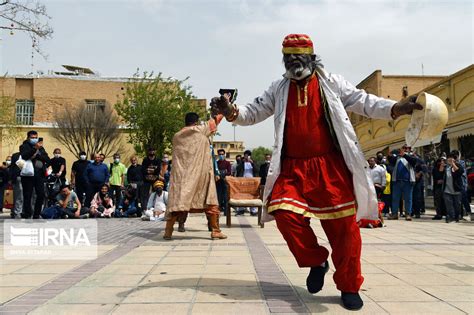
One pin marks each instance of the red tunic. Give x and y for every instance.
(314, 179)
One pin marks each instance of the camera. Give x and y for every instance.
(231, 92)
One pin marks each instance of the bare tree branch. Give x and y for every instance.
(79, 128)
(27, 16)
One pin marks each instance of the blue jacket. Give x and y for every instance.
(96, 173)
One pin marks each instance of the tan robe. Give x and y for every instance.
(192, 182)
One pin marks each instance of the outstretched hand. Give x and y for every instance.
(221, 105)
(405, 107)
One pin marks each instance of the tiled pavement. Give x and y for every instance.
(419, 267)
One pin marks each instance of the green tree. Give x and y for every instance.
(258, 154)
(9, 128)
(153, 108)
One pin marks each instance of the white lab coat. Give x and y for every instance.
(341, 96)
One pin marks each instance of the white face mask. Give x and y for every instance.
(82, 157)
(9, 162)
(116, 160)
(57, 155)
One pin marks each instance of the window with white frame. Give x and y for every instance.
(95, 105)
(24, 111)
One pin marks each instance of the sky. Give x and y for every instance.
(237, 43)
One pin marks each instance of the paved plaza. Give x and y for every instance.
(418, 267)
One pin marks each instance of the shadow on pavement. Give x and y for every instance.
(235, 291)
(458, 267)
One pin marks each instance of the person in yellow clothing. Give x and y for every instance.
(386, 196)
(117, 178)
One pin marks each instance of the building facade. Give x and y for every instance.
(37, 99)
(456, 90)
(232, 148)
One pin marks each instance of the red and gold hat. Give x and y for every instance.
(297, 44)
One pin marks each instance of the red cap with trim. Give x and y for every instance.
(297, 44)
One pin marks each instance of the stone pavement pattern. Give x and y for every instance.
(419, 267)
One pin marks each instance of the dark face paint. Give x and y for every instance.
(296, 63)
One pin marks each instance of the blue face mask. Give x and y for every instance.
(221, 157)
(34, 141)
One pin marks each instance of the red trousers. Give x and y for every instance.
(344, 237)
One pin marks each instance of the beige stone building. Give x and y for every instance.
(456, 90)
(37, 97)
(232, 148)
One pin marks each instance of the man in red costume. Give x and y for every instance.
(317, 168)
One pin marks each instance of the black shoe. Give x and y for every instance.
(437, 217)
(351, 301)
(315, 280)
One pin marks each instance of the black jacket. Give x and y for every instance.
(40, 161)
(150, 167)
(13, 169)
(241, 168)
(3, 176)
(263, 173)
(135, 174)
(457, 178)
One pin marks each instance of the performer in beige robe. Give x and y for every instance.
(192, 182)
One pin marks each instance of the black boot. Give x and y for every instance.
(351, 301)
(315, 280)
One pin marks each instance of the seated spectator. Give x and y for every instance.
(102, 204)
(70, 205)
(157, 202)
(128, 204)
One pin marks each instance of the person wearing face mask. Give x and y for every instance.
(117, 178)
(246, 169)
(96, 175)
(156, 207)
(318, 169)
(58, 164)
(403, 181)
(77, 177)
(150, 171)
(32, 149)
(225, 169)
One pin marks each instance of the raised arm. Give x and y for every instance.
(260, 109)
(358, 101)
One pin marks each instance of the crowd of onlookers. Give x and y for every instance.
(95, 189)
(99, 189)
(400, 177)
